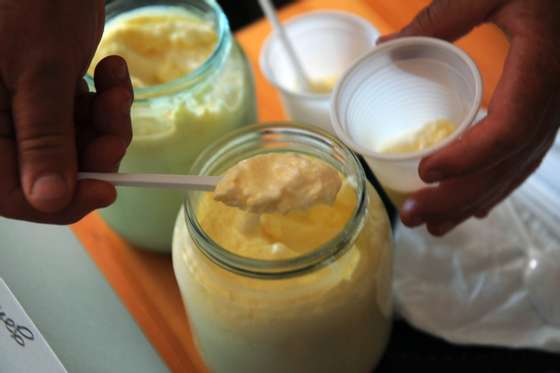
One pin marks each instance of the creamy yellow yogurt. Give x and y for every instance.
(429, 135)
(278, 182)
(159, 45)
(275, 235)
(323, 86)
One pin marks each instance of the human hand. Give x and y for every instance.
(49, 124)
(491, 159)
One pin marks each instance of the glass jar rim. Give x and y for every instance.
(275, 269)
(214, 60)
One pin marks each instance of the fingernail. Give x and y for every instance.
(407, 209)
(49, 187)
(120, 71)
(433, 176)
(408, 206)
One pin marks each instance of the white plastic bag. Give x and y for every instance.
(494, 281)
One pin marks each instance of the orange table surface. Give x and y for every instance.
(144, 281)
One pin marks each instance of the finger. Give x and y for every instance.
(111, 114)
(530, 169)
(82, 88)
(488, 206)
(515, 112)
(448, 19)
(112, 110)
(9, 178)
(110, 72)
(42, 109)
(6, 123)
(90, 195)
(449, 201)
(82, 104)
(458, 199)
(83, 113)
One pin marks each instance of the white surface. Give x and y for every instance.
(327, 43)
(488, 282)
(395, 90)
(67, 298)
(23, 347)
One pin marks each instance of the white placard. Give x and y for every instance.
(22, 347)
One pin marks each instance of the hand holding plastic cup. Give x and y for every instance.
(326, 44)
(395, 90)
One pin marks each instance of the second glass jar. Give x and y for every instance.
(173, 122)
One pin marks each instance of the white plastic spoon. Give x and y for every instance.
(204, 183)
(270, 13)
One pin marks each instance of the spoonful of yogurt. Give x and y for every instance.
(278, 182)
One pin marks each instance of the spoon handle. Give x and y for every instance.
(270, 13)
(205, 183)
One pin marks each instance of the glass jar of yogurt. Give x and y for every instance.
(192, 84)
(286, 292)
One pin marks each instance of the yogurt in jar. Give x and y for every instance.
(192, 84)
(333, 317)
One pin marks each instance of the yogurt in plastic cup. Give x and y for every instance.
(327, 43)
(395, 90)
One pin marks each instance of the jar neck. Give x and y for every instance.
(254, 140)
(207, 10)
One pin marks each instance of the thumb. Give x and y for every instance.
(447, 19)
(42, 109)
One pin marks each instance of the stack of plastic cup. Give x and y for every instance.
(327, 43)
(395, 90)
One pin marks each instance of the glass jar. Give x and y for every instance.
(173, 122)
(328, 310)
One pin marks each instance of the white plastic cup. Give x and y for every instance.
(326, 43)
(397, 88)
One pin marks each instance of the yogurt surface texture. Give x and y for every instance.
(429, 135)
(278, 182)
(159, 44)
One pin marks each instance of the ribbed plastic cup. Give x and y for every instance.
(327, 44)
(396, 89)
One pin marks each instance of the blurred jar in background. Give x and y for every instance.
(192, 84)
